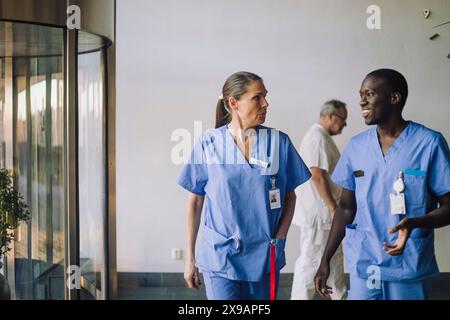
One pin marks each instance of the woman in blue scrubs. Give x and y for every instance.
(393, 175)
(244, 174)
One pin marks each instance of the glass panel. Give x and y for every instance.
(32, 123)
(38, 114)
(92, 171)
(32, 142)
(3, 266)
(35, 40)
(88, 42)
(2, 107)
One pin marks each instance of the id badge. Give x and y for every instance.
(398, 203)
(275, 199)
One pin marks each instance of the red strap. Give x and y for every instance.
(272, 272)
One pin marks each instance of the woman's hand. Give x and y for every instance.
(191, 275)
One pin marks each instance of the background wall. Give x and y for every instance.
(173, 57)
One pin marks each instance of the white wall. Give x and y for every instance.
(173, 57)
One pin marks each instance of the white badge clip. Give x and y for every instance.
(274, 196)
(398, 199)
(259, 163)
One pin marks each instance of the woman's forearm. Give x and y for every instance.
(286, 215)
(194, 211)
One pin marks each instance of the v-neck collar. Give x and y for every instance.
(392, 151)
(236, 151)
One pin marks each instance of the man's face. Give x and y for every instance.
(376, 101)
(338, 121)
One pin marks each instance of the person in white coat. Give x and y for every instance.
(317, 202)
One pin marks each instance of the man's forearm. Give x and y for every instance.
(341, 219)
(437, 218)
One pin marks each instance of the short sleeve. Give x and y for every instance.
(313, 152)
(343, 173)
(194, 174)
(439, 167)
(296, 170)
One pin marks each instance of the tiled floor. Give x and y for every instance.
(170, 287)
(176, 293)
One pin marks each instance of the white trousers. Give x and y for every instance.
(312, 246)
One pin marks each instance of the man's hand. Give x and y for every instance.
(320, 280)
(191, 275)
(404, 230)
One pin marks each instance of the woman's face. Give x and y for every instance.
(251, 108)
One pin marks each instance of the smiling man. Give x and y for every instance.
(393, 176)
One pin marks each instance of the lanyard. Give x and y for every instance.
(272, 270)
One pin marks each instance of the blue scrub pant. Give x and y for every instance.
(219, 288)
(389, 290)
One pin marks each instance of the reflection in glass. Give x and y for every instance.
(2, 114)
(32, 141)
(92, 170)
(38, 161)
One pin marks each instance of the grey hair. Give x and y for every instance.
(331, 106)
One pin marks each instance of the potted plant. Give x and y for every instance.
(13, 211)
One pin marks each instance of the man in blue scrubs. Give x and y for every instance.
(393, 176)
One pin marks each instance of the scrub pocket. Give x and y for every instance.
(415, 190)
(363, 252)
(215, 249)
(418, 257)
(352, 245)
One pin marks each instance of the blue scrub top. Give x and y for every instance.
(238, 222)
(423, 156)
